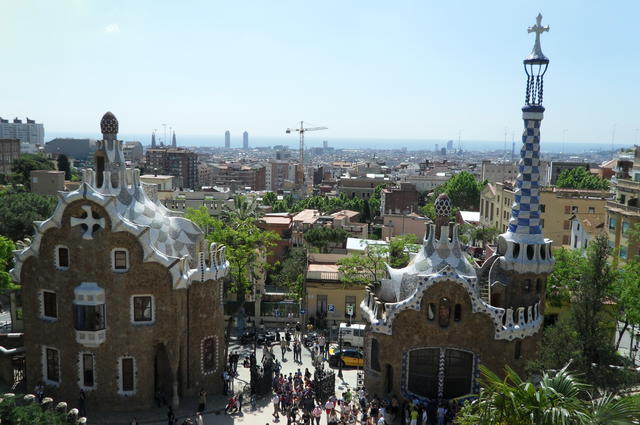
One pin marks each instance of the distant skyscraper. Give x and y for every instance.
(325, 144)
(450, 145)
(153, 140)
(227, 139)
(245, 140)
(173, 140)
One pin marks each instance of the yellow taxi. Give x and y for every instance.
(348, 357)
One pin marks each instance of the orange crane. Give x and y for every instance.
(303, 130)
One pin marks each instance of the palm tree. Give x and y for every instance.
(243, 210)
(559, 399)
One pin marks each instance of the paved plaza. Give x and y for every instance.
(215, 404)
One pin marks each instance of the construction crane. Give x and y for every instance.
(303, 130)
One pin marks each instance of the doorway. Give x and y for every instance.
(388, 378)
(162, 376)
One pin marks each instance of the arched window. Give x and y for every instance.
(444, 312)
(538, 286)
(457, 312)
(375, 355)
(518, 350)
(527, 285)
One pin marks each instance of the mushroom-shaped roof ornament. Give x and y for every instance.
(109, 124)
(443, 206)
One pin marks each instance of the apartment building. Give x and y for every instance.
(238, 175)
(178, 162)
(623, 211)
(557, 206)
(361, 187)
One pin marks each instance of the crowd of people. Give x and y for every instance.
(297, 399)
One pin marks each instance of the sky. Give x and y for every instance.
(364, 69)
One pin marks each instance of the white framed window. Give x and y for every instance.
(48, 305)
(127, 375)
(87, 370)
(143, 309)
(119, 260)
(62, 257)
(51, 366)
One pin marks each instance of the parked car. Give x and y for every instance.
(348, 357)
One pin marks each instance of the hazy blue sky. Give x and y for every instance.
(383, 69)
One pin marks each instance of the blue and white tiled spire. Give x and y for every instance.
(523, 246)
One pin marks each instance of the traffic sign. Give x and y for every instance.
(302, 311)
(331, 308)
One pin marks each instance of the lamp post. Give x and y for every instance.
(340, 351)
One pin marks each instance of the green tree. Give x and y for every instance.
(269, 198)
(400, 248)
(365, 268)
(587, 306)
(246, 249)
(580, 178)
(626, 290)
(64, 165)
(25, 163)
(464, 191)
(322, 237)
(589, 284)
(291, 273)
(18, 211)
(567, 272)
(558, 399)
(6, 263)
(483, 234)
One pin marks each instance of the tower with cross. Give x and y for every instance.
(523, 246)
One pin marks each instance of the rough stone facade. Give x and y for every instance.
(176, 344)
(412, 329)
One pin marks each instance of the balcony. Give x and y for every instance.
(628, 184)
(622, 209)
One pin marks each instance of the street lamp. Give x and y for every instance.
(340, 351)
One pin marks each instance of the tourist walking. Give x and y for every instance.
(202, 400)
(317, 413)
(283, 347)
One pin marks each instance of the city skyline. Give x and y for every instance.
(409, 71)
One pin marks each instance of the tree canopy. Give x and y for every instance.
(580, 178)
(64, 165)
(246, 244)
(322, 237)
(6, 263)
(365, 268)
(291, 272)
(584, 336)
(25, 163)
(18, 211)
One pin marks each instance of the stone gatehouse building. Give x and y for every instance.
(122, 298)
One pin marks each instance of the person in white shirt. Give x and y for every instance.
(381, 420)
(425, 417)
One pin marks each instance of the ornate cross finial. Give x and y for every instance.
(87, 222)
(536, 53)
